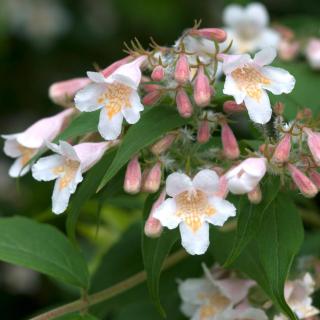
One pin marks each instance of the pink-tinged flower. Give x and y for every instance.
(229, 142)
(248, 79)
(108, 71)
(116, 96)
(202, 91)
(231, 106)
(163, 144)
(62, 93)
(151, 97)
(153, 227)
(255, 196)
(192, 207)
(25, 145)
(214, 34)
(314, 144)
(315, 178)
(304, 184)
(313, 53)
(67, 167)
(298, 296)
(288, 49)
(203, 135)
(183, 102)
(157, 73)
(248, 28)
(246, 314)
(133, 176)
(223, 190)
(152, 179)
(182, 71)
(246, 176)
(282, 150)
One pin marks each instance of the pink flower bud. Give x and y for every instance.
(313, 53)
(151, 98)
(63, 92)
(203, 132)
(153, 227)
(288, 49)
(150, 87)
(314, 144)
(304, 184)
(132, 180)
(229, 142)
(157, 73)
(202, 91)
(183, 104)
(223, 189)
(152, 179)
(231, 106)
(215, 34)
(255, 196)
(282, 151)
(114, 66)
(315, 177)
(163, 144)
(182, 71)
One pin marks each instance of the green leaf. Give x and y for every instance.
(268, 257)
(42, 248)
(154, 252)
(250, 217)
(152, 125)
(84, 123)
(86, 190)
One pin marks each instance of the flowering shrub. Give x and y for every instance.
(161, 123)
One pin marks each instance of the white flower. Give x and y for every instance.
(247, 314)
(67, 167)
(248, 79)
(116, 96)
(192, 207)
(297, 294)
(248, 28)
(246, 176)
(313, 53)
(25, 145)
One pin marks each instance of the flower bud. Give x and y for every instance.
(150, 87)
(255, 196)
(266, 149)
(183, 104)
(202, 91)
(151, 98)
(288, 49)
(153, 227)
(63, 92)
(182, 71)
(314, 144)
(157, 73)
(163, 144)
(313, 53)
(304, 184)
(152, 178)
(132, 180)
(203, 132)
(315, 177)
(282, 151)
(223, 189)
(231, 106)
(229, 142)
(278, 108)
(114, 66)
(215, 34)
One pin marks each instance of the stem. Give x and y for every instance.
(106, 294)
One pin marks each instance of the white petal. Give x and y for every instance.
(281, 80)
(259, 111)
(166, 214)
(132, 113)
(232, 14)
(11, 147)
(96, 77)
(231, 88)
(17, 169)
(177, 183)
(265, 56)
(244, 184)
(268, 38)
(255, 167)
(136, 101)
(253, 313)
(188, 309)
(195, 243)
(87, 98)
(110, 128)
(234, 61)
(258, 14)
(224, 210)
(206, 181)
(68, 151)
(43, 169)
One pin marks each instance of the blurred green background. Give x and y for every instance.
(43, 41)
